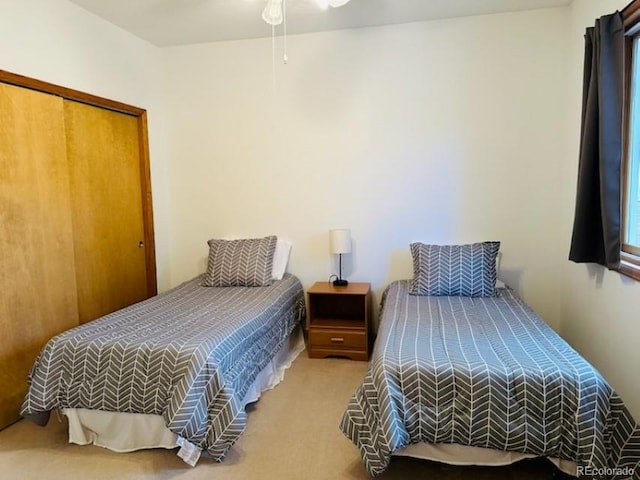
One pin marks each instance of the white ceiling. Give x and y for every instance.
(181, 22)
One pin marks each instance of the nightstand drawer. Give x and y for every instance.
(338, 338)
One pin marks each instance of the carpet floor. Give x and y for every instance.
(292, 433)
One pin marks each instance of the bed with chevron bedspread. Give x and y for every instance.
(188, 355)
(485, 372)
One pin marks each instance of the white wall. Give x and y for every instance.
(58, 42)
(446, 131)
(599, 308)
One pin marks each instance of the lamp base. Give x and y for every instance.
(340, 283)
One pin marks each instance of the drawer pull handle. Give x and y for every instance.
(337, 339)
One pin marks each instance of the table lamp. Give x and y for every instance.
(339, 243)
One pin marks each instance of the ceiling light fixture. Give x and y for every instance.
(274, 12)
(331, 3)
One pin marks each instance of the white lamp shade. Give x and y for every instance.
(340, 241)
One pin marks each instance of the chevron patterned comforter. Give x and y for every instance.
(188, 354)
(485, 372)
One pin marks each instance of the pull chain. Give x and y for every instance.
(284, 14)
(273, 54)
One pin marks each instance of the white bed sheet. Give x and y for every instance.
(454, 454)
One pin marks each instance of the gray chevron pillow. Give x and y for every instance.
(240, 263)
(457, 270)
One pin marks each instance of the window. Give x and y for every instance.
(631, 169)
(631, 165)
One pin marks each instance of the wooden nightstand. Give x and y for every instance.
(338, 319)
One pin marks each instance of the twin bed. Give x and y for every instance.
(466, 373)
(483, 381)
(179, 368)
(461, 372)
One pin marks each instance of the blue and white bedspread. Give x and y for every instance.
(188, 354)
(485, 372)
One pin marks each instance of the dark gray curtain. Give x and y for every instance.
(596, 227)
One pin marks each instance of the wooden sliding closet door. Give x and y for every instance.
(37, 278)
(108, 231)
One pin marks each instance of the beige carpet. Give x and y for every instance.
(292, 433)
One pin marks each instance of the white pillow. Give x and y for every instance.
(499, 283)
(280, 258)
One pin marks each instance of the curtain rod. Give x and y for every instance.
(631, 12)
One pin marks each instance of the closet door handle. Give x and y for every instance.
(140, 244)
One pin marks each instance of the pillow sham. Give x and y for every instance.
(240, 263)
(457, 270)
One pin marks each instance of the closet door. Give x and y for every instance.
(108, 230)
(37, 278)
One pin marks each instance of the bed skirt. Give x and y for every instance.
(454, 454)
